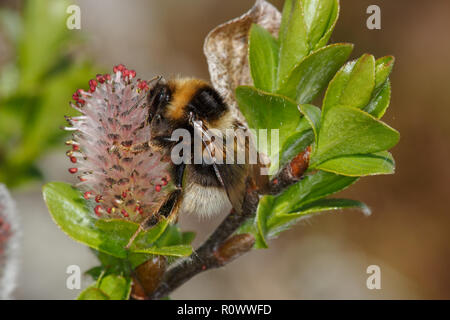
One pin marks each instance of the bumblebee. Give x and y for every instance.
(207, 187)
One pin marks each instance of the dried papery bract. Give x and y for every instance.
(226, 50)
(9, 244)
(120, 175)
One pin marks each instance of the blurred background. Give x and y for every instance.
(325, 257)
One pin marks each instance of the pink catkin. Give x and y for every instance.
(117, 182)
(9, 244)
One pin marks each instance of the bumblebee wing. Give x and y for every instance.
(231, 176)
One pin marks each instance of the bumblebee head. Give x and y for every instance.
(160, 126)
(172, 104)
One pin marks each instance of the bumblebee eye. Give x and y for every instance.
(158, 98)
(162, 97)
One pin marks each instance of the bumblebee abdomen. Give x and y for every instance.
(204, 201)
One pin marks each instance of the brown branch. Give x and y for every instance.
(222, 247)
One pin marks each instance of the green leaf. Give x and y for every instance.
(312, 74)
(44, 35)
(111, 264)
(95, 272)
(92, 293)
(312, 114)
(334, 15)
(173, 236)
(286, 17)
(116, 287)
(263, 58)
(320, 18)
(382, 93)
(71, 214)
(293, 39)
(277, 213)
(176, 251)
(262, 214)
(310, 188)
(383, 68)
(361, 164)
(380, 101)
(346, 131)
(353, 84)
(295, 144)
(52, 106)
(110, 287)
(264, 110)
(150, 236)
(333, 204)
(281, 222)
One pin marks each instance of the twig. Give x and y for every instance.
(221, 247)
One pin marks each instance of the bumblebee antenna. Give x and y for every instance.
(135, 105)
(157, 79)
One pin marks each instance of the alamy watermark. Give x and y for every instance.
(231, 146)
(374, 20)
(73, 281)
(374, 280)
(74, 20)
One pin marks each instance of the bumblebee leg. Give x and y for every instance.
(168, 210)
(146, 224)
(179, 173)
(134, 148)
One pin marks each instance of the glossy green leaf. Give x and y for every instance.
(277, 213)
(361, 164)
(44, 34)
(382, 93)
(174, 236)
(312, 114)
(263, 58)
(262, 215)
(264, 110)
(110, 287)
(295, 144)
(310, 188)
(176, 251)
(149, 237)
(95, 272)
(380, 101)
(116, 287)
(347, 131)
(303, 136)
(92, 293)
(293, 39)
(286, 17)
(383, 68)
(333, 17)
(353, 84)
(111, 264)
(70, 213)
(279, 222)
(333, 204)
(320, 17)
(314, 72)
